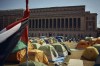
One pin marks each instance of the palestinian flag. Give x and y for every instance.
(10, 35)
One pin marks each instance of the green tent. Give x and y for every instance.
(34, 41)
(88, 38)
(36, 45)
(49, 51)
(19, 46)
(66, 47)
(60, 49)
(32, 63)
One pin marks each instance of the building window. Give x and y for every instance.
(58, 23)
(62, 23)
(74, 22)
(66, 22)
(54, 23)
(40, 23)
(70, 22)
(46, 23)
(43, 23)
(50, 23)
(36, 21)
(29, 23)
(79, 22)
(93, 18)
(33, 23)
(87, 18)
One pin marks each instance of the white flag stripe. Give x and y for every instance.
(8, 33)
(3, 30)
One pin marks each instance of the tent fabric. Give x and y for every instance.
(16, 57)
(97, 46)
(88, 38)
(47, 41)
(60, 59)
(60, 40)
(90, 53)
(32, 63)
(20, 45)
(34, 41)
(82, 44)
(41, 42)
(60, 50)
(52, 40)
(36, 45)
(98, 40)
(30, 46)
(93, 41)
(67, 48)
(36, 55)
(19, 52)
(50, 52)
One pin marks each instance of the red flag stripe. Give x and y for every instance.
(15, 23)
(8, 33)
(24, 36)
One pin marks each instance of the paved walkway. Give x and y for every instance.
(75, 62)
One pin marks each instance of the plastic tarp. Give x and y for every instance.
(32, 63)
(60, 50)
(50, 52)
(36, 55)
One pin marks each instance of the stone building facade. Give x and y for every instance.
(70, 21)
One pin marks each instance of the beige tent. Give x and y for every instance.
(16, 57)
(19, 52)
(36, 55)
(90, 53)
(30, 46)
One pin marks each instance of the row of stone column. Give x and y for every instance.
(56, 23)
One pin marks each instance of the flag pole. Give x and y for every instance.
(27, 49)
(27, 14)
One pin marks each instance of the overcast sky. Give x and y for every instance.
(91, 5)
